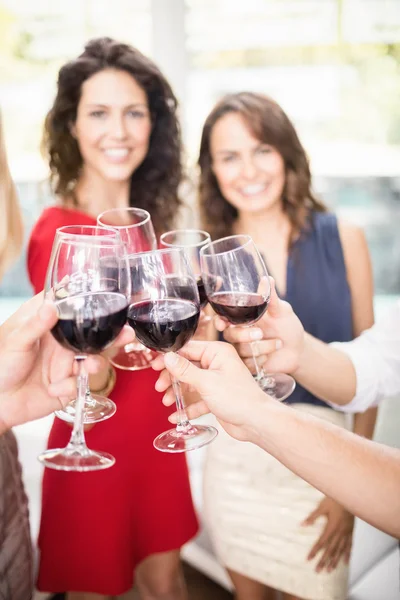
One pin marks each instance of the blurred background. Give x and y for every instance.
(333, 65)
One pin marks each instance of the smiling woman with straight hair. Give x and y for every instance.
(272, 530)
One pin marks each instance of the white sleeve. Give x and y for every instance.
(376, 359)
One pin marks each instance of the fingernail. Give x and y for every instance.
(256, 334)
(171, 358)
(278, 344)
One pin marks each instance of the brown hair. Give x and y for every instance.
(155, 182)
(11, 228)
(269, 124)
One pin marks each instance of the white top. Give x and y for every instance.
(376, 358)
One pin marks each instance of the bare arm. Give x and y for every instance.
(357, 374)
(285, 347)
(361, 475)
(360, 279)
(326, 372)
(320, 365)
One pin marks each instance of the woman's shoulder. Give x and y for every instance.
(349, 232)
(354, 243)
(327, 221)
(325, 229)
(53, 217)
(333, 234)
(324, 221)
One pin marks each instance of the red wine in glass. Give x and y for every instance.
(202, 292)
(192, 240)
(164, 325)
(238, 289)
(92, 306)
(137, 234)
(164, 311)
(239, 308)
(89, 323)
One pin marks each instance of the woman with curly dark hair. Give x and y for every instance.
(264, 521)
(113, 141)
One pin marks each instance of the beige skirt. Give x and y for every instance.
(254, 507)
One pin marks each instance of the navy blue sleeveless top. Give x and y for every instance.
(317, 288)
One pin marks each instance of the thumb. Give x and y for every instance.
(33, 328)
(273, 305)
(312, 517)
(181, 368)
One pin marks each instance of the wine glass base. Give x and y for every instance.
(279, 385)
(191, 439)
(66, 459)
(133, 357)
(97, 408)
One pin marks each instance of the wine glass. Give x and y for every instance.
(164, 312)
(92, 304)
(237, 286)
(97, 408)
(137, 233)
(192, 240)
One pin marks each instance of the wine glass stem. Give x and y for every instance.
(77, 440)
(268, 381)
(89, 401)
(259, 369)
(183, 421)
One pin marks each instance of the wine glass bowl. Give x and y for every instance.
(137, 234)
(92, 308)
(134, 226)
(164, 312)
(192, 240)
(97, 408)
(239, 308)
(238, 289)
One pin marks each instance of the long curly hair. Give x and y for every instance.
(154, 184)
(269, 124)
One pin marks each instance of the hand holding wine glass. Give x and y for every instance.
(238, 288)
(280, 336)
(35, 366)
(92, 307)
(164, 313)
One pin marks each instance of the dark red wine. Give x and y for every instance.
(89, 322)
(164, 325)
(202, 292)
(239, 308)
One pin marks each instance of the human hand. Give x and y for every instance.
(37, 374)
(203, 327)
(224, 384)
(279, 336)
(336, 538)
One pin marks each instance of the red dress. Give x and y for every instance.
(97, 527)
